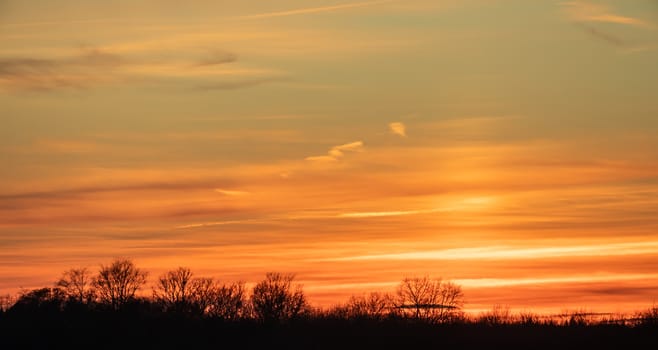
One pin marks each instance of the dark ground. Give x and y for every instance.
(116, 331)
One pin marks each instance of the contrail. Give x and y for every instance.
(313, 10)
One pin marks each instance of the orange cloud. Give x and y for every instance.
(337, 152)
(515, 253)
(586, 11)
(398, 128)
(231, 192)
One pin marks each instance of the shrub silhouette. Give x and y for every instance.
(648, 317)
(498, 315)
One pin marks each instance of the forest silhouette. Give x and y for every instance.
(112, 308)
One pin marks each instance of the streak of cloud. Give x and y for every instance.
(64, 193)
(497, 282)
(95, 67)
(311, 10)
(231, 192)
(376, 214)
(211, 224)
(514, 253)
(587, 16)
(237, 84)
(337, 152)
(66, 22)
(79, 71)
(218, 57)
(585, 11)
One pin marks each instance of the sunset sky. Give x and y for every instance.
(508, 145)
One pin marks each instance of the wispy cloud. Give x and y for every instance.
(585, 11)
(337, 152)
(398, 129)
(37, 73)
(466, 204)
(231, 192)
(376, 214)
(212, 224)
(237, 84)
(96, 190)
(514, 253)
(310, 10)
(217, 57)
(500, 282)
(589, 17)
(93, 67)
(59, 23)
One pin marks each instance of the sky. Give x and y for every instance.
(506, 145)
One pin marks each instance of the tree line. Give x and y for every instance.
(112, 308)
(275, 299)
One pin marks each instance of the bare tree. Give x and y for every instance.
(204, 294)
(117, 283)
(451, 298)
(228, 301)
(180, 291)
(429, 299)
(276, 299)
(76, 283)
(372, 305)
(175, 289)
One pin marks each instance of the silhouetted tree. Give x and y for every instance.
(6, 302)
(451, 298)
(428, 299)
(41, 300)
(276, 299)
(372, 306)
(76, 283)
(175, 290)
(181, 292)
(228, 301)
(117, 283)
(204, 294)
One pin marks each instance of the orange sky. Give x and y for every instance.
(509, 146)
